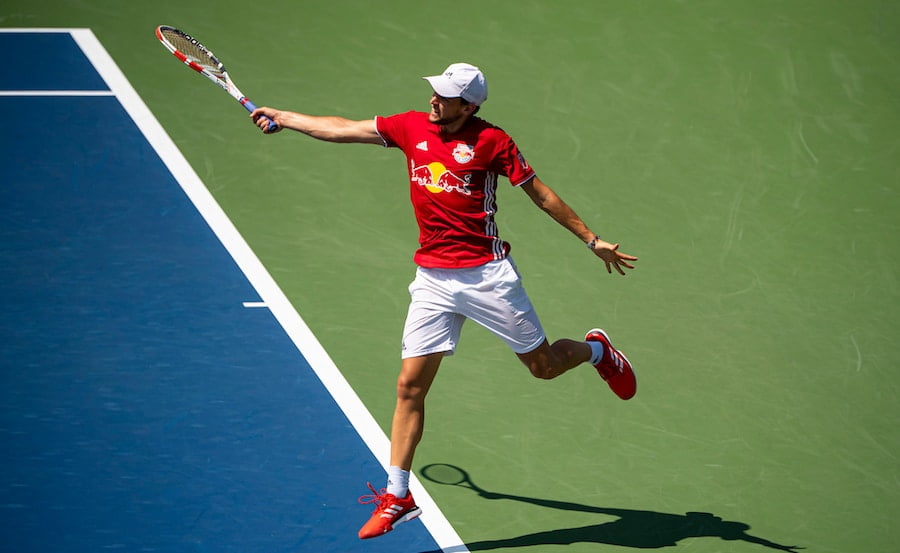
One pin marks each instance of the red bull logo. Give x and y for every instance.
(436, 178)
(463, 153)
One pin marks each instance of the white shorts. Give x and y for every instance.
(491, 295)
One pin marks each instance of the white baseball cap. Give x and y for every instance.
(461, 80)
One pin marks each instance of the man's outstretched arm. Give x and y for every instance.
(327, 128)
(545, 198)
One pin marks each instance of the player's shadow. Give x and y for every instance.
(631, 528)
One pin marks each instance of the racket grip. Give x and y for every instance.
(251, 106)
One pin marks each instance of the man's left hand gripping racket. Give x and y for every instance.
(196, 56)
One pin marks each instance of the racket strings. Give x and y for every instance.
(194, 51)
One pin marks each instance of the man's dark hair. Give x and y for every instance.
(466, 103)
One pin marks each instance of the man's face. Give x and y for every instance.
(445, 111)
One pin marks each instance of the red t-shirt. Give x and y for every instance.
(453, 185)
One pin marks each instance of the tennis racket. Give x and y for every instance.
(198, 57)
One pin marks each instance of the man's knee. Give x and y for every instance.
(416, 376)
(548, 361)
(539, 361)
(408, 388)
(544, 372)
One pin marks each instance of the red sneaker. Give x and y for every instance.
(389, 512)
(614, 367)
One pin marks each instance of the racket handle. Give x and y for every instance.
(251, 106)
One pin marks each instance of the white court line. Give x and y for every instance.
(57, 93)
(272, 296)
(35, 30)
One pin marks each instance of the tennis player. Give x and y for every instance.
(464, 270)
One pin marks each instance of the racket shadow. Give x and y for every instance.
(632, 528)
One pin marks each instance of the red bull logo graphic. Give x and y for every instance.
(436, 178)
(463, 153)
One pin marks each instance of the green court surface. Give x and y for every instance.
(746, 151)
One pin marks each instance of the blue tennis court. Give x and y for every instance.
(153, 398)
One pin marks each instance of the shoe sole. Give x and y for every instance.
(413, 514)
